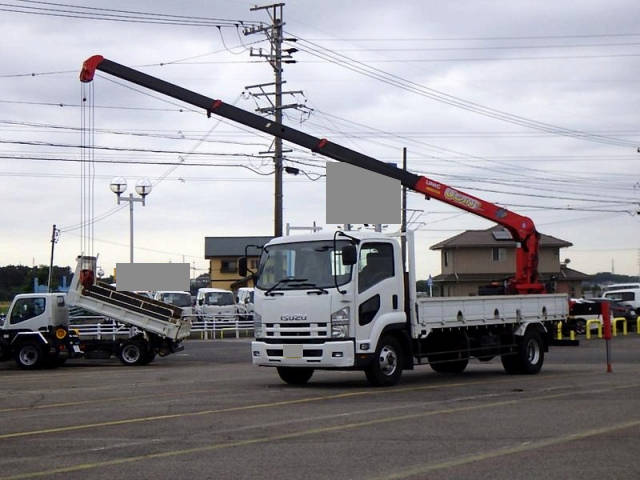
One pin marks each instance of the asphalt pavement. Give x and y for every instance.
(207, 413)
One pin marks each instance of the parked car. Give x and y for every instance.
(581, 310)
(245, 303)
(177, 298)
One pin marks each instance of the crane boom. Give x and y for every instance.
(522, 228)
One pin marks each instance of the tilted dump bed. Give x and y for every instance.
(438, 312)
(126, 307)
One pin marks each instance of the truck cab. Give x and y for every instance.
(628, 295)
(315, 308)
(177, 298)
(244, 300)
(216, 304)
(35, 330)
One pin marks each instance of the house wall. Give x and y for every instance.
(480, 260)
(224, 280)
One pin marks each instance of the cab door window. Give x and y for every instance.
(375, 264)
(27, 308)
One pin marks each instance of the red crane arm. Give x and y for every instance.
(522, 228)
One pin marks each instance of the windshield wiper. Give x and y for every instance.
(284, 280)
(317, 289)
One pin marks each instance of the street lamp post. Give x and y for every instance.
(143, 188)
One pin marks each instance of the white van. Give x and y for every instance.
(245, 302)
(628, 296)
(621, 286)
(178, 298)
(216, 303)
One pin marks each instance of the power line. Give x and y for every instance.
(407, 85)
(94, 13)
(478, 38)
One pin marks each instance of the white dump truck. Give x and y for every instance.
(36, 330)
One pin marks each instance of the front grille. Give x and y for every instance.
(296, 330)
(276, 352)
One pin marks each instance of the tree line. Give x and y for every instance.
(15, 279)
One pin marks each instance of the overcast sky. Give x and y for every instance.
(532, 105)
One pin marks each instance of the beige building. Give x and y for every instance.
(479, 261)
(223, 254)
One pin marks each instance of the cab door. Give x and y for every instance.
(28, 313)
(380, 296)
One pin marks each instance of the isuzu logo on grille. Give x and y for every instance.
(294, 318)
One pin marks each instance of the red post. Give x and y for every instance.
(606, 321)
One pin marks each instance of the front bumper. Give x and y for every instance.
(330, 354)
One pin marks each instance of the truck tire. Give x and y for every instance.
(295, 376)
(455, 366)
(529, 357)
(148, 357)
(386, 368)
(54, 361)
(511, 364)
(29, 355)
(132, 353)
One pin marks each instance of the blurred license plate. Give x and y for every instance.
(292, 351)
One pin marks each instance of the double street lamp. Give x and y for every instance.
(143, 188)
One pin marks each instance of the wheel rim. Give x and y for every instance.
(388, 360)
(28, 355)
(533, 352)
(131, 353)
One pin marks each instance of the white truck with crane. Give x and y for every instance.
(36, 330)
(347, 300)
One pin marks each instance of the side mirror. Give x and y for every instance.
(242, 266)
(349, 255)
(201, 301)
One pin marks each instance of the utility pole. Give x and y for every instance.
(403, 226)
(275, 58)
(55, 234)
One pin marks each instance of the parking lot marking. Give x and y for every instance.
(70, 428)
(102, 400)
(352, 426)
(525, 447)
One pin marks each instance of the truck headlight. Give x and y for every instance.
(340, 321)
(257, 325)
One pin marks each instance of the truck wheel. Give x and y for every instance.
(53, 361)
(386, 368)
(532, 352)
(530, 355)
(29, 356)
(295, 376)
(511, 364)
(132, 353)
(148, 357)
(456, 366)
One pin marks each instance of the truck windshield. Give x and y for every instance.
(218, 298)
(177, 299)
(311, 261)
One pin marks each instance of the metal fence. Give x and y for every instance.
(205, 327)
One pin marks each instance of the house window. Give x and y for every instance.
(228, 265)
(498, 254)
(445, 256)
